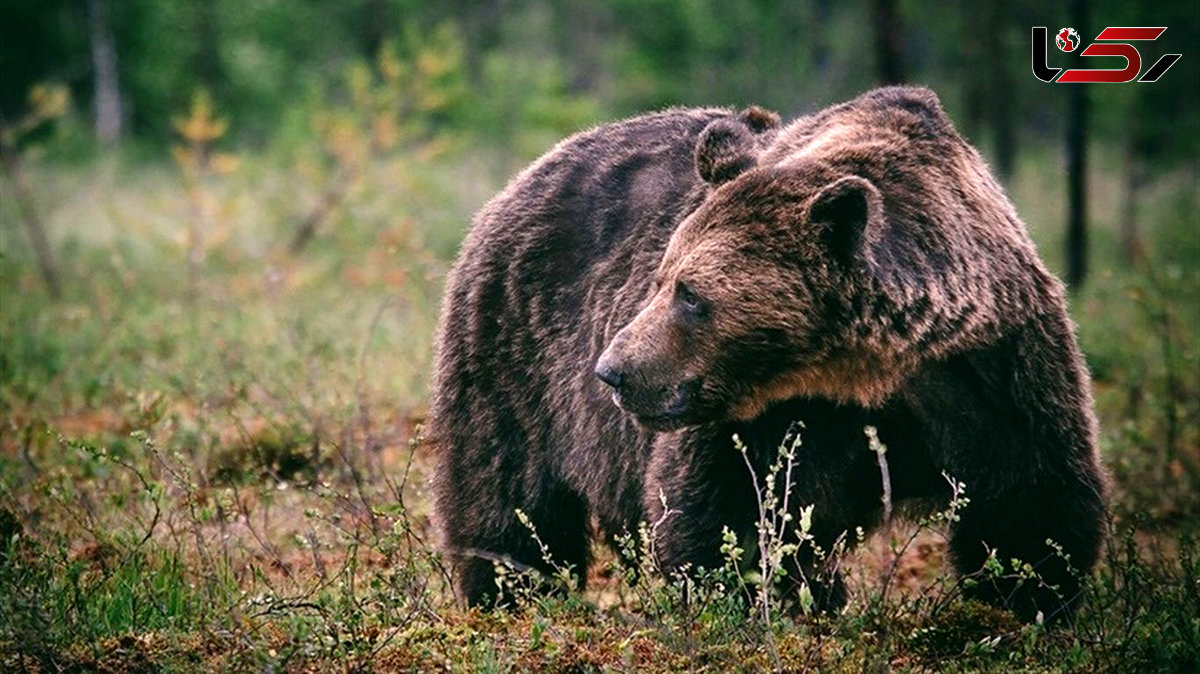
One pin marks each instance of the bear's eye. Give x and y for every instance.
(688, 298)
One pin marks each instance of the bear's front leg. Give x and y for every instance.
(1054, 525)
(699, 483)
(695, 487)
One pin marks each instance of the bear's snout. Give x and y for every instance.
(609, 374)
(657, 402)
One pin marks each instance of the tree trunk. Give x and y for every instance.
(1077, 126)
(375, 26)
(969, 63)
(996, 55)
(33, 223)
(208, 58)
(480, 23)
(818, 40)
(1132, 252)
(889, 46)
(579, 38)
(104, 65)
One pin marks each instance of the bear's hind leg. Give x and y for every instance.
(1017, 523)
(481, 530)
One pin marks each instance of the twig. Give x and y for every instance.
(880, 451)
(33, 222)
(329, 202)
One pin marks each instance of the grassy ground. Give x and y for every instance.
(208, 454)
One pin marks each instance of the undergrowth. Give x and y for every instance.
(210, 456)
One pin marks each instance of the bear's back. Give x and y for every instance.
(593, 192)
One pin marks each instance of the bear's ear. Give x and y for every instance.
(850, 212)
(759, 119)
(727, 147)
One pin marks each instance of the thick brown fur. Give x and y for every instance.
(723, 275)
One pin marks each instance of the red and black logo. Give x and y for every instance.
(1067, 39)
(1115, 43)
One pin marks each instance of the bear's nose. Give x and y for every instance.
(609, 375)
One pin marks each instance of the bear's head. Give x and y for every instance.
(827, 263)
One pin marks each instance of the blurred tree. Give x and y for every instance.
(160, 43)
(197, 159)
(1077, 140)
(46, 103)
(377, 23)
(481, 24)
(819, 39)
(889, 45)
(660, 41)
(206, 60)
(970, 60)
(1134, 178)
(107, 95)
(1156, 124)
(997, 58)
(398, 100)
(581, 30)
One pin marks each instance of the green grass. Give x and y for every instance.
(213, 466)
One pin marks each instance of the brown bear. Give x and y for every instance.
(712, 273)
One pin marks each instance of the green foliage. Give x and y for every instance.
(548, 62)
(63, 598)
